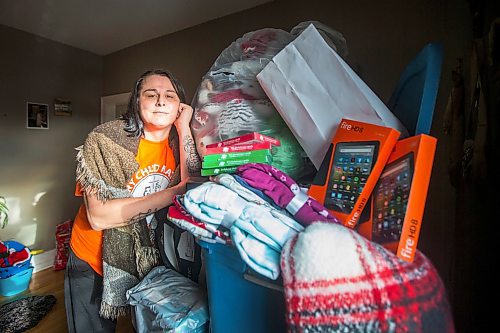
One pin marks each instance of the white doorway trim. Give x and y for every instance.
(109, 105)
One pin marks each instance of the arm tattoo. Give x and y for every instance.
(193, 162)
(134, 219)
(140, 216)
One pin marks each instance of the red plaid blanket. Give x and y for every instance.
(337, 281)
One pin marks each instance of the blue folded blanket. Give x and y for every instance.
(258, 230)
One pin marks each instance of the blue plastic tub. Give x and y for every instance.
(240, 300)
(17, 283)
(6, 272)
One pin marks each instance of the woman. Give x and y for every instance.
(127, 170)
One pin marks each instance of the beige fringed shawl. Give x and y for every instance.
(105, 164)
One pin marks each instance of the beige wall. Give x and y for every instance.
(38, 166)
(382, 37)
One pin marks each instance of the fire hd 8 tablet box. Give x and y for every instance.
(398, 199)
(350, 170)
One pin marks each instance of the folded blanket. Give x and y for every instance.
(285, 192)
(240, 186)
(258, 230)
(178, 215)
(216, 204)
(337, 281)
(260, 257)
(256, 191)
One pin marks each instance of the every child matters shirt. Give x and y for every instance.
(157, 165)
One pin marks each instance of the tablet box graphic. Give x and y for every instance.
(350, 170)
(398, 199)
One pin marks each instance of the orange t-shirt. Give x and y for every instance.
(157, 165)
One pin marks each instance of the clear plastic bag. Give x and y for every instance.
(230, 101)
(166, 301)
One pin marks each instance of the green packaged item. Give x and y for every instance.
(217, 171)
(236, 155)
(235, 162)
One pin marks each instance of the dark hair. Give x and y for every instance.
(132, 117)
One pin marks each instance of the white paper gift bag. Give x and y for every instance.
(313, 88)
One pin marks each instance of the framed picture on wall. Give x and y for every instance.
(37, 115)
(62, 107)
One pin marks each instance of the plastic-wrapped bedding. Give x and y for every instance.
(166, 301)
(230, 102)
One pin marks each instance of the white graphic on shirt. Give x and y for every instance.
(144, 173)
(152, 183)
(148, 183)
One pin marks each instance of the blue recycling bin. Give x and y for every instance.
(239, 299)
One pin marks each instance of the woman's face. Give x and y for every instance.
(158, 103)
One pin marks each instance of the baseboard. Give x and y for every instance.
(43, 260)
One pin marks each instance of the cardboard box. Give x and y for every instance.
(238, 148)
(249, 138)
(398, 199)
(350, 170)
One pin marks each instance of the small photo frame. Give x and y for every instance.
(62, 107)
(37, 115)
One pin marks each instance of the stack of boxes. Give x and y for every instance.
(225, 156)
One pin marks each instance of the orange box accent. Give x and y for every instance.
(398, 199)
(351, 168)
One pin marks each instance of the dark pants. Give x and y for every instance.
(82, 297)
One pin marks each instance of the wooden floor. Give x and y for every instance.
(50, 282)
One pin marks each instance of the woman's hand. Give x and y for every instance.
(181, 188)
(183, 116)
(189, 161)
